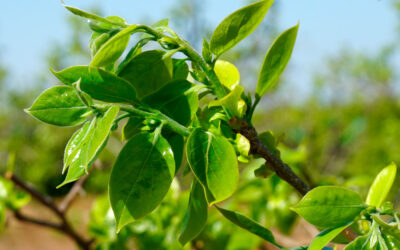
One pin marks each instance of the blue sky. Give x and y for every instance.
(27, 28)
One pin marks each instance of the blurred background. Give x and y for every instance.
(336, 111)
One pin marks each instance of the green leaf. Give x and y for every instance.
(326, 236)
(227, 73)
(86, 144)
(141, 177)
(181, 69)
(212, 159)
(94, 17)
(99, 84)
(177, 143)
(269, 141)
(361, 243)
(238, 26)
(233, 102)
(196, 214)
(276, 60)
(59, 105)
(148, 71)
(102, 27)
(249, 225)
(177, 99)
(206, 53)
(113, 48)
(330, 206)
(381, 186)
(132, 127)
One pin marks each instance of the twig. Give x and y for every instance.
(64, 226)
(280, 168)
(67, 201)
(43, 223)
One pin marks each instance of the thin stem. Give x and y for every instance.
(66, 203)
(155, 114)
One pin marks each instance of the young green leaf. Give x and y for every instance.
(238, 26)
(177, 99)
(113, 48)
(196, 214)
(59, 105)
(330, 206)
(249, 225)
(99, 84)
(141, 177)
(381, 186)
(94, 17)
(326, 236)
(233, 102)
(102, 27)
(227, 73)
(213, 161)
(276, 60)
(361, 243)
(148, 71)
(85, 145)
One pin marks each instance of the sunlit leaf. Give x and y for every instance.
(381, 186)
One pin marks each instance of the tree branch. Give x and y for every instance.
(63, 227)
(70, 197)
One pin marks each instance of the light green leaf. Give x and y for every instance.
(113, 48)
(177, 99)
(85, 145)
(276, 60)
(141, 177)
(232, 101)
(238, 26)
(102, 27)
(330, 206)
(196, 214)
(326, 236)
(94, 17)
(99, 84)
(212, 159)
(361, 243)
(381, 186)
(227, 73)
(148, 71)
(59, 105)
(249, 225)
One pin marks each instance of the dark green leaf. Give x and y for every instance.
(177, 99)
(326, 236)
(213, 161)
(99, 84)
(381, 186)
(361, 243)
(177, 143)
(59, 106)
(181, 69)
(113, 48)
(269, 141)
(196, 214)
(330, 206)
(238, 26)
(132, 127)
(276, 60)
(141, 177)
(249, 225)
(148, 71)
(86, 144)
